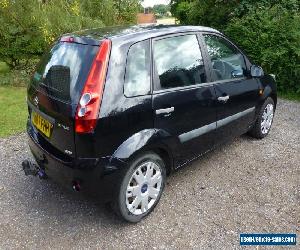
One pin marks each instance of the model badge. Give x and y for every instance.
(63, 126)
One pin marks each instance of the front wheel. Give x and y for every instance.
(264, 120)
(141, 187)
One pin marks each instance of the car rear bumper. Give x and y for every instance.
(97, 176)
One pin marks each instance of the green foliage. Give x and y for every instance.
(246, 6)
(13, 120)
(14, 78)
(268, 30)
(161, 9)
(19, 76)
(27, 27)
(271, 37)
(4, 67)
(213, 13)
(293, 96)
(182, 12)
(16, 34)
(219, 13)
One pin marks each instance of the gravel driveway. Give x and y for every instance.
(246, 185)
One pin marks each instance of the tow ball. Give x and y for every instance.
(30, 168)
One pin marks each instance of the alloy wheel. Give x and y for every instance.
(267, 118)
(143, 188)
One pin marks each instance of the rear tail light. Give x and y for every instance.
(90, 101)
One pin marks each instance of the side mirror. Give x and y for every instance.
(256, 71)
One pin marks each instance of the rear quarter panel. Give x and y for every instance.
(120, 117)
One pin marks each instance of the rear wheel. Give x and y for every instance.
(264, 121)
(141, 187)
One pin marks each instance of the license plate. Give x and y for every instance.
(41, 124)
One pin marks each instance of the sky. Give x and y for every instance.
(151, 3)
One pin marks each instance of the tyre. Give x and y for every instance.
(141, 187)
(262, 125)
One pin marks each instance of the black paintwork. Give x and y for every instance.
(128, 126)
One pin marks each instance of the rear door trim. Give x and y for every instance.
(197, 132)
(209, 127)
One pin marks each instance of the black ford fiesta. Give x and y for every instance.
(116, 110)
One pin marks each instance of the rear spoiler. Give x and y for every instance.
(79, 40)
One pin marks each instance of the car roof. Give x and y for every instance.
(138, 31)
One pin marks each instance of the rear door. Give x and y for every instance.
(183, 100)
(54, 92)
(237, 92)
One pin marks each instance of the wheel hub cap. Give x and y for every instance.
(143, 188)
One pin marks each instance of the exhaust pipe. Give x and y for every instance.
(30, 168)
(76, 186)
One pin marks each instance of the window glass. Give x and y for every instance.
(178, 61)
(137, 79)
(65, 84)
(227, 61)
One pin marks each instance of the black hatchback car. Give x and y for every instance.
(115, 110)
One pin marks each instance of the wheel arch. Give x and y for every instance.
(268, 84)
(145, 141)
(166, 157)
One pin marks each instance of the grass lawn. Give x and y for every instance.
(14, 110)
(3, 67)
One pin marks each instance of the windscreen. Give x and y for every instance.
(63, 70)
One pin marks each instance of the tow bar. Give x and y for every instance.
(30, 168)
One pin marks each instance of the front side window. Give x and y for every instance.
(227, 62)
(137, 78)
(178, 61)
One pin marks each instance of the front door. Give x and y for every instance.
(237, 92)
(183, 100)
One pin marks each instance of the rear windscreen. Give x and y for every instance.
(63, 70)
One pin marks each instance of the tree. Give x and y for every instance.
(271, 37)
(27, 27)
(213, 13)
(268, 30)
(161, 9)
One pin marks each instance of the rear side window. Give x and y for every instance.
(178, 61)
(137, 77)
(63, 70)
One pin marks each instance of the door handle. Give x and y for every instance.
(164, 111)
(223, 98)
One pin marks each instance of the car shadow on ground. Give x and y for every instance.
(49, 199)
